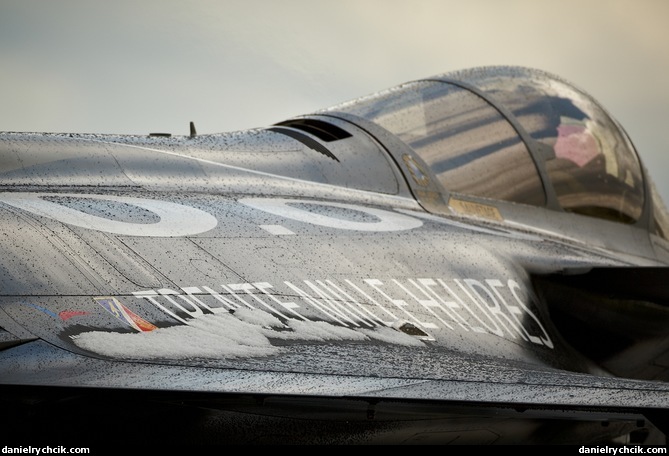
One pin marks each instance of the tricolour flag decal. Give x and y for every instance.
(122, 313)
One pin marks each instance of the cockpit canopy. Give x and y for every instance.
(514, 134)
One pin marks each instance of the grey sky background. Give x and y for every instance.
(152, 66)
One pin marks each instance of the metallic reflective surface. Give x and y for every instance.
(392, 277)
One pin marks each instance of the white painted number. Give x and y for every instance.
(387, 221)
(174, 219)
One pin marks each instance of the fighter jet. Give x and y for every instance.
(478, 257)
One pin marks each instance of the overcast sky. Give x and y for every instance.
(152, 66)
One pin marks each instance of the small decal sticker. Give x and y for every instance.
(475, 209)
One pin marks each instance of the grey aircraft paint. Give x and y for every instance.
(473, 258)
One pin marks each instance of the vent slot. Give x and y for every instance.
(322, 130)
(306, 140)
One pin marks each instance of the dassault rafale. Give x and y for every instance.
(476, 257)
